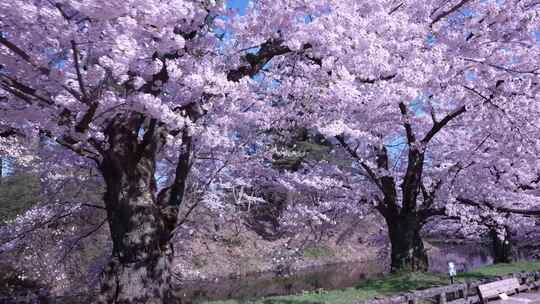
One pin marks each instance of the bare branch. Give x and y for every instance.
(448, 12)
(14, 84)
(395, 8)
(374, 80)
(43, 70)
(253, 63)
(406, 123)
(37, 226)
(80, 79)
(438, 126)
(80, 238)
(15, 49)
(473, 203)
(76, 146)
(354, 154)
(534, 71)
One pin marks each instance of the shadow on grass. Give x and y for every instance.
(472, 276)
(289, 301)
(402, 283)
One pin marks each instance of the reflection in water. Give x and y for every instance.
(268, 284)
(465, 256)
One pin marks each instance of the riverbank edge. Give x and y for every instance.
(466, 289)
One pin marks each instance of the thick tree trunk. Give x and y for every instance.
(407, 248)
(145, 281)
(139, 268)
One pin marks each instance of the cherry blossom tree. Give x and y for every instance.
(127, 87)
(431, 103)
(424, 103)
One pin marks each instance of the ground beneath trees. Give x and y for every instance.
(388, 285)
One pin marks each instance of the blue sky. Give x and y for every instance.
(240, 5)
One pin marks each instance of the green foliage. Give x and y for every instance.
(199, 261)
(316, 252)
(314, 150)
(298, 147)
(388, 285)
(18, 192)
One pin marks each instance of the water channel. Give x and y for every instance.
(466, 256)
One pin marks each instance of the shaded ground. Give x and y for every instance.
(231, 249)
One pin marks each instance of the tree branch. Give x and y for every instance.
(354, 154)
(76, 146)
(15, 49)
(438, 126)
(374, 80)
(395, 8)
(80, 79)
(470, 202)
(510, 70)
(406, 123)
(448, 12)
(14, 84)
(80, 238)
(253, 63)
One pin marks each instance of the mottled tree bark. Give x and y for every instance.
(404, 216)
(140, 223)
(407, 248)
(404, 222)
(502, 248)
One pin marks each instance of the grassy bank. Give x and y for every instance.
(391, 284)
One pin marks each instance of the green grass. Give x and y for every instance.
(199, 262)
(318, 252)
(500, 269)
(388, 285)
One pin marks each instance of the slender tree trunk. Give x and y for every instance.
(139, 268)
(502, 248)
(407, 247)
